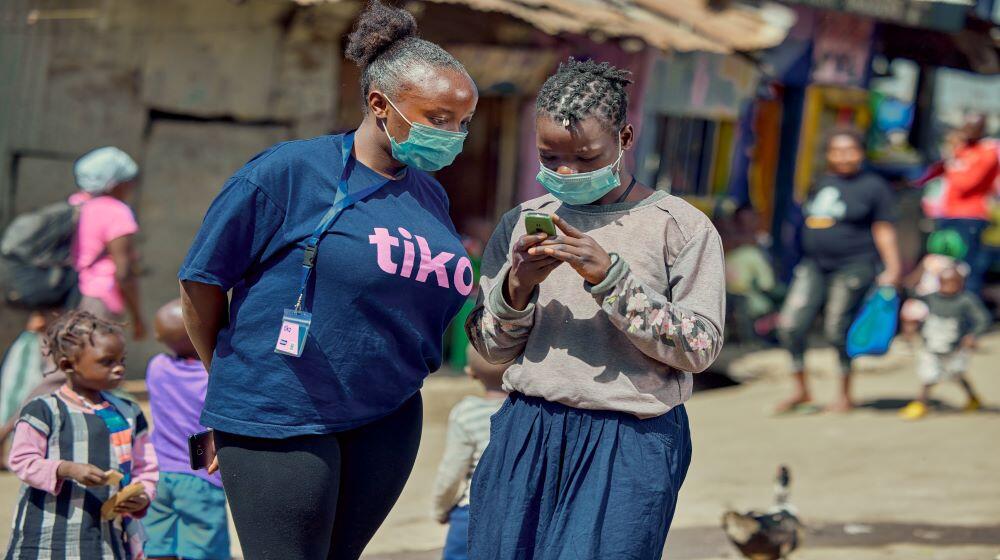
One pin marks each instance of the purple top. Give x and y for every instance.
(176, 396)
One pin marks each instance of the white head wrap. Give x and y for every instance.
(98, 171)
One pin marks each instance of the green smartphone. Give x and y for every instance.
(537, 222)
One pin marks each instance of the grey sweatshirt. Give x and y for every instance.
(621, 345)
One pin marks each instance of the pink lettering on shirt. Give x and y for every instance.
(429, 264)
(463, 287)
(384, 243)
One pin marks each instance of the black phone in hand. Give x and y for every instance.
(201, 447)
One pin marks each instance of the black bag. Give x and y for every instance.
(36, 269)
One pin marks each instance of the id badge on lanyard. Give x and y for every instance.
(296, 320)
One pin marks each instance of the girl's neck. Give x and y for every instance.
(639, 192)
(370, 149)
(85, 396)
(496, 394)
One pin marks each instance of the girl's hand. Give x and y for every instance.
(527, 270)
(214, 467)
(579, 250)
(133, 504)
(87, 475)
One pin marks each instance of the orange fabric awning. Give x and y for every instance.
(680, 25)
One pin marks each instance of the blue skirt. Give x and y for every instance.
(562, 483)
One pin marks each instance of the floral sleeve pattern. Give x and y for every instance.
(660, 329)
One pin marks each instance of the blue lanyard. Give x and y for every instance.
(341, 202)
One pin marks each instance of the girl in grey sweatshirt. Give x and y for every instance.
(606, 322)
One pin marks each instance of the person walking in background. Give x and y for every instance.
(952, 320)
(104, 252)
(468, 435)
(848, 229)
(971, 177)
(188, 517)
(345, 269)
(66, 445)
(606, 321)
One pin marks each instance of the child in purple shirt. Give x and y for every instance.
(188, 518)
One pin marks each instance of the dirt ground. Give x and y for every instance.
(868, 485)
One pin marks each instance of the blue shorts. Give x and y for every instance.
(187, 520)
(456, 545)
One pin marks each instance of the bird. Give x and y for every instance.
(770, 535)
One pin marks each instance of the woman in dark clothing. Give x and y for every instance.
(345, 269)
(848, 235)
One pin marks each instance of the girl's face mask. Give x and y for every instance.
(427, 148)
(582, 188)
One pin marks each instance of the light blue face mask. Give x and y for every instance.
(582, 188)
(427, 148)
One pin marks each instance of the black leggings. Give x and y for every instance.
(319, 496)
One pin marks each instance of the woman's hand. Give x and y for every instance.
(527, 270)
(87, 475)
(579, 250)
(214, 467)
(133, 504)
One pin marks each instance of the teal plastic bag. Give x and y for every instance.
(875, 326)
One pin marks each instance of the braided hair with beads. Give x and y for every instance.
(585, 88)
(74, 331)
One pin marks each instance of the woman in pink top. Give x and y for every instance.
(103, 252)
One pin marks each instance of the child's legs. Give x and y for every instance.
(955, 366)
(203, 528)
(930, 371)
(283, 493)
(456, 545)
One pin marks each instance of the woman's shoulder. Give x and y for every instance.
(275, 165)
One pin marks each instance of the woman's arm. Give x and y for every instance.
(206, 312)
(884, 234)
(120, 250)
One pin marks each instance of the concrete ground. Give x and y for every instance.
(867, 484)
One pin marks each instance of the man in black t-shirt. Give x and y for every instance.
(848, 234)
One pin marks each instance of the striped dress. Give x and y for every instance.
(68, 525)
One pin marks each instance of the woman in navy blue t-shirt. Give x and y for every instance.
(344, 270)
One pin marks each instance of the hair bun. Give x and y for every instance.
(379, 27)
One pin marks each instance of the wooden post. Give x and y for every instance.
(507, 156)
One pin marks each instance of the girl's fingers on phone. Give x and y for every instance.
(530, 240)
(566, 228)
(557, 248)
(562, 255)
(214, 467)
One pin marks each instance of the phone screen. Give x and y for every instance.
(201, 447)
